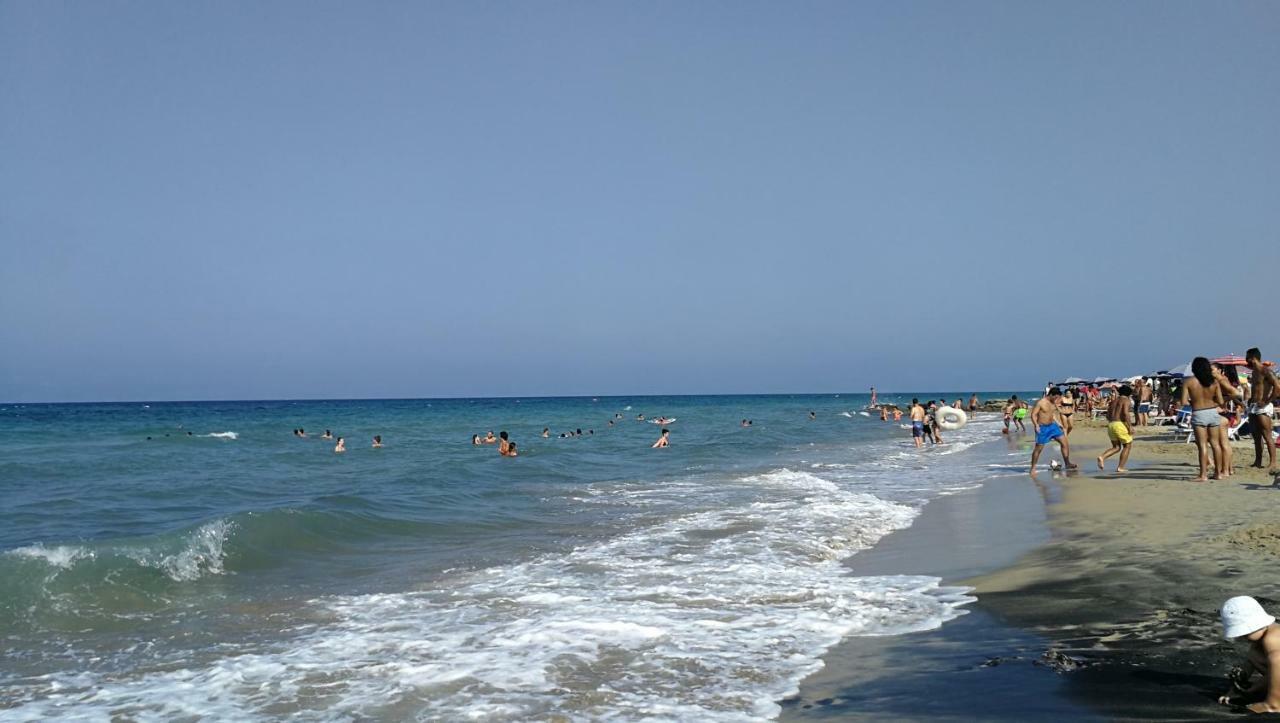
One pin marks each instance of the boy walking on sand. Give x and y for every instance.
(1243, 619)
(1044, 420)
(1118, 429)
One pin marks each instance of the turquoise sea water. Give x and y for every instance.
(228, 569)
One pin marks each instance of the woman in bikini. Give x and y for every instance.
(1066, 408)
(1232, 403)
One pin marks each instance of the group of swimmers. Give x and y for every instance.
(506, 447)
(341, 445)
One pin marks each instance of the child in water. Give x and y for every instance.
(1244, 620)
(341, 446)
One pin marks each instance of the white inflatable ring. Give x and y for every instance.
(950, 418)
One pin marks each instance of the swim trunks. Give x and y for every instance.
(1020, 414)
(1119, 433)
(1144, 408)
(1048, 433)
(1206, 417)
(917, 429)
(1264, 410)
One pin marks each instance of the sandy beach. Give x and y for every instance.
(1115, 616)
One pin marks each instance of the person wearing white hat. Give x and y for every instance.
(1244, 619)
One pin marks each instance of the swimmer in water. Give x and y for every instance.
(812, 415)
(377, 441)
(511, 451)
(663, 441)
(503, 444)
(341, 446)
(546, 432)
(327, 435)
(640, 417)
(302, 432)
(489, 438)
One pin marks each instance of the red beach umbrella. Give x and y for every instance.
(1231, 360)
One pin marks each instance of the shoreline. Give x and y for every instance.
(1112, 614)
(946, 672)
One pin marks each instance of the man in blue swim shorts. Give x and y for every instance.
(917, 422)
(1044, 417)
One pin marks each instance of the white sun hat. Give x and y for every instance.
(1243, 615)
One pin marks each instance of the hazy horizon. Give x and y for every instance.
(321, 200)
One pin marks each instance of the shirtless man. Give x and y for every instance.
(1265, 389)
(663, 441)
(1044, 418)
(973, 404)
(1144, 395)
(1009, 408)
(1204, 395)
(1118, 428)
(917, 422)
(489, 438)
(1243, 619)
(510, 451)
(503, 443)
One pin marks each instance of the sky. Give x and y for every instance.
(267, 200)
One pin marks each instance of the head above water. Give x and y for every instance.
(502, 434)
(1202, 370)
(665, 432)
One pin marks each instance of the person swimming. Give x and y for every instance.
(475, 439)
(327, 435)
(377, 441)
(503, 443)
(663, 441)
(489, 438)
(510, 451)
(341, 446)
(546, 432)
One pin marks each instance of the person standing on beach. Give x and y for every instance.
(1261, 406)
(1044, 421)
(917, 422)
(973, 403)
(1009, 408)
(1233, 397)
(1067, 408)
(1119, 430)
(1204, 395)
(1144, 395)
(1243, 619)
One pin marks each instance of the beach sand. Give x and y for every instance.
(1114, 617)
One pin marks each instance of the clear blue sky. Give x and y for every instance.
(312, 199)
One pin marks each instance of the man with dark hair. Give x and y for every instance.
(503, 443)
(1119, 430)
(917, 422)
(1044, 419)
(1263, 393)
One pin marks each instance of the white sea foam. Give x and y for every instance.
(61, 556)
(198, 553)
(222, 435)
(710, 614)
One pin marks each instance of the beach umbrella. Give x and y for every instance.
(1075, 380)
(1231, 360)
(1180, 371)
(1103, 380)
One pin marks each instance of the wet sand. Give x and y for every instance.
(1114, 616)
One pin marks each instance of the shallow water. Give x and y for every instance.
(226, 568)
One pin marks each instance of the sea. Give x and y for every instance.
(198, 560)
